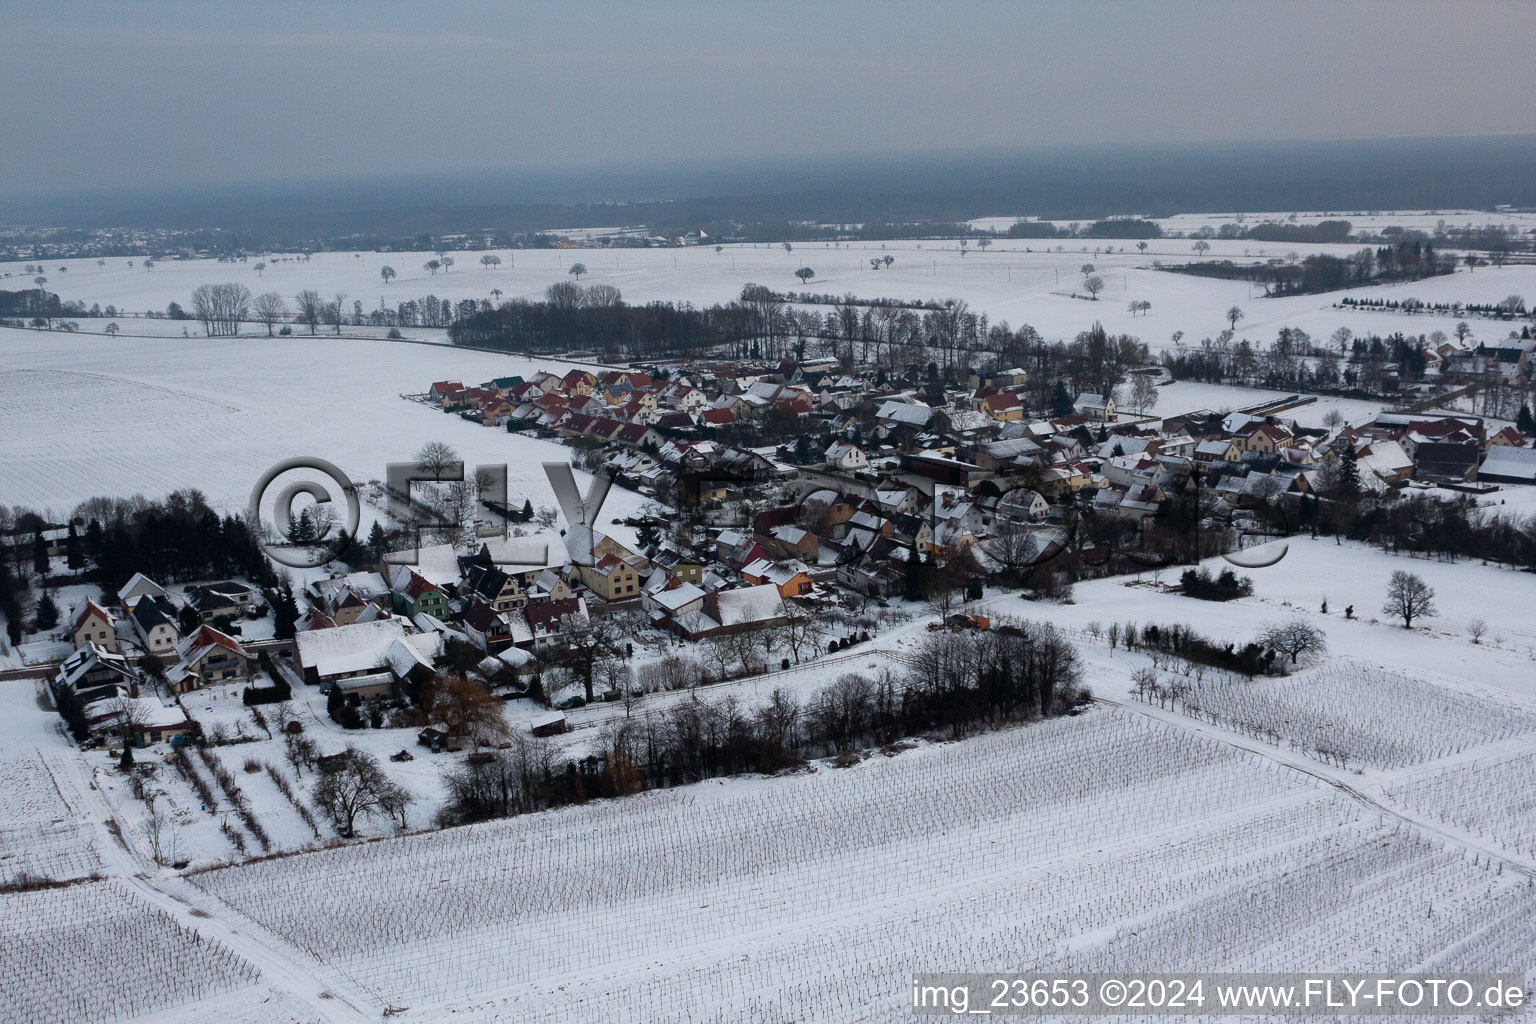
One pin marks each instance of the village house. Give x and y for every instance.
(361, 649)
(93, 673)
(223, 600)
(154, 619)
(793, 579)
(207, 657)
(415, 594)
(847, 456)
(139, 586)
(1004, 407)
(611, 578)
(733, 611)
(1097, 408)
(92, 623)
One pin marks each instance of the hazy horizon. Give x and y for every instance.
(169, 93)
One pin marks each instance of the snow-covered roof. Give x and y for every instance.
(412, 651)
(515, 657)
(360, 647)
(678, 597)
(1507, 461)
(139, 585)
(909, 411)
(749, 604)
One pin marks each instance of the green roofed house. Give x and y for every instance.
(503, 384)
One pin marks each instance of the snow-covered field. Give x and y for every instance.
(1021, 281)
(88, 415)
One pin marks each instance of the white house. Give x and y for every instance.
(846, 455)
(1095, 407)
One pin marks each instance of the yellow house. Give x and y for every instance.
(612, 578)
(94, 624)
(1266, 438)
(1004, 407)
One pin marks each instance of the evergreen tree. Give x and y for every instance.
(376, 541)
(301, 527)
(74, 555)
(285, 610)
(1061, 400)
(39, 554)
(94, 539)
(1525, 422)
(527, 510)
(1349, 473)
(47, 614)
(916, 583)
(125, 763)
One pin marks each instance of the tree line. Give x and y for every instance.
(959, 684)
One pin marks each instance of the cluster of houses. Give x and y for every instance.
(763, 535)
(105, 675)
(894, 472)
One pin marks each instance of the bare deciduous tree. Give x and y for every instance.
(270, 308)
(221, 307)
(311, 308)
(350, 787)
(1295, 638)
(1408, 598)
(436, 457)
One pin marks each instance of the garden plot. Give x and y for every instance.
(714, 865)
(96, 952)
(1492, 797)
(1349, 713)
(42, 832)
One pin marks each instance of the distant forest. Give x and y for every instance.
(872, 196)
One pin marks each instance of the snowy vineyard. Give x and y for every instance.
(1100, 842)
(1492, 798)
(1349, 713)
(95, 952)
(1289, 890)
(542, 896)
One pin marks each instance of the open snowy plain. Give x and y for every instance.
(1024, 281)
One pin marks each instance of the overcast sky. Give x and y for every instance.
(160, 92)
